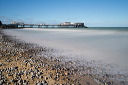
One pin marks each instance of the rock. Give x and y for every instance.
(44, 81)
(1, 64)
(1, 82)
(14, 80)
(88, 83)
(39, 83)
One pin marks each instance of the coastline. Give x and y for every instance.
(20, 63)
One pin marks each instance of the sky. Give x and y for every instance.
(94, 13)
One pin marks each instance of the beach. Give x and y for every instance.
(22, 63)
(19, 64)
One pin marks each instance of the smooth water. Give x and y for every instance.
(109, 45)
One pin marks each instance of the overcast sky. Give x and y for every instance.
(94, 13)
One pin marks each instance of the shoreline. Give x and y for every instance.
(18, 59)
(22, 60)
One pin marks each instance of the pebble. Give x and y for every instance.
(39, 83)
(1, 64)
(35, 68)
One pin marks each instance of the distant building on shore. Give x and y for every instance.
(8, 26)
(0, 23)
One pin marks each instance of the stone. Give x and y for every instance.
(39, 83)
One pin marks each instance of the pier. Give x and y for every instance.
(61, 25)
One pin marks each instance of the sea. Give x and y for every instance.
(102, 46)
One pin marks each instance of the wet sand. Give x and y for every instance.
(21, 63)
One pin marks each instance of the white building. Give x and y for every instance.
(20, 23)
(66, 23)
